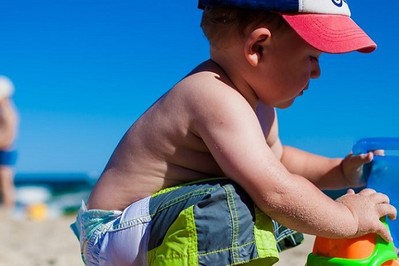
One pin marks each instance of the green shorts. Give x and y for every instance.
(213, 222)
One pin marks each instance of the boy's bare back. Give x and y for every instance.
(164, 148)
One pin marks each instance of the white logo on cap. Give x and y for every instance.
(338, 3)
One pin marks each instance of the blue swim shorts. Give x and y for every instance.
(8, 157)
(211, 222)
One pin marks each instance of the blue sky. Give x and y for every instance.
(84, 70)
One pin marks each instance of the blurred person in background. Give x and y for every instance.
(8, 130)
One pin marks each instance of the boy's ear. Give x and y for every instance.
(255, 45)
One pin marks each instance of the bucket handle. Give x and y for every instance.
(371, 144)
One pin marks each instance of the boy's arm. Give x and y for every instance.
(232, 133)
(326, 173)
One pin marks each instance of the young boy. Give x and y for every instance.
(201, 178)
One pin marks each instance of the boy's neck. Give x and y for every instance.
(233, 73)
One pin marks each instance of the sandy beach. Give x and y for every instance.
(51, 242)
(37, 243)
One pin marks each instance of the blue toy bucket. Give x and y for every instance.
(383, 173)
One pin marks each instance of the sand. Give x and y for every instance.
(51, 242)
(48, 242)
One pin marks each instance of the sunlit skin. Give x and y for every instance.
(220, 120)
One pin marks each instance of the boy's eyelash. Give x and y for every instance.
(313, 58)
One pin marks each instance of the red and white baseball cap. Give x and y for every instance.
(324, 24)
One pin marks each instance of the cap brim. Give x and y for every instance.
(331, 33)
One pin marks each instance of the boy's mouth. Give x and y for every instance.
(303, 91)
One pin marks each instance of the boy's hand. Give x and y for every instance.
(352, 167)
(367, 207)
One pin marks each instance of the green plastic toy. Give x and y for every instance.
(383, 253)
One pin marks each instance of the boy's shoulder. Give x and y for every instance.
(206, 94)
(207, 84)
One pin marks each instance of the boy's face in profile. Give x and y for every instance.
(288, 65)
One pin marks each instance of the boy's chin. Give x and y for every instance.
(285, 105)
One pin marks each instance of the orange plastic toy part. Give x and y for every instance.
(391, 263)
(356, 248)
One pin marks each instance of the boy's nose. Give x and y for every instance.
(315, 69)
